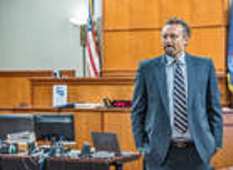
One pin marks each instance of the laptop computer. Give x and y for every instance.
(108, 142)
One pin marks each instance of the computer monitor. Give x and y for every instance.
(49, 127)
(15, 123)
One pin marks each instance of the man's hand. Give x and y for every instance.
(216, 151)
(142, 151)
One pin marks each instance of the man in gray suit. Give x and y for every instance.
(176, 112)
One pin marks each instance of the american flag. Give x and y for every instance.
(92, 50)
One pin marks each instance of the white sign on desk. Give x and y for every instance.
(59, 95)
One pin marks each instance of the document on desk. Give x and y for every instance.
(89, 105)
(59, 95)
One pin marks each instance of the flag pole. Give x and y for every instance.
(83, 44)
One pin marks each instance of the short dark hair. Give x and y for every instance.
(186, 28)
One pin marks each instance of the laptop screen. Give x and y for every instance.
(106, 142)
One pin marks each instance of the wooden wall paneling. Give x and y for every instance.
(210, 42)
(85, 123)
(41, 95)
(96, 94)
(170, 8)
(144, 15)
(223, 87)
(112, 11)
(119, 73)
(124, 50)
(197, 13)
(126, 14)
(209, 12)
(14, 91)
(120, 123)
(224, 157)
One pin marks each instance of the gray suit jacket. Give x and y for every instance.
(150, 117)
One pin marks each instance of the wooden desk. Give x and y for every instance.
(13, 162)
(89, 163)
(17, 162)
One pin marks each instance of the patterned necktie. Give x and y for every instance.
(180, 101)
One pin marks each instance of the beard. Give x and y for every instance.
(170, 50)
